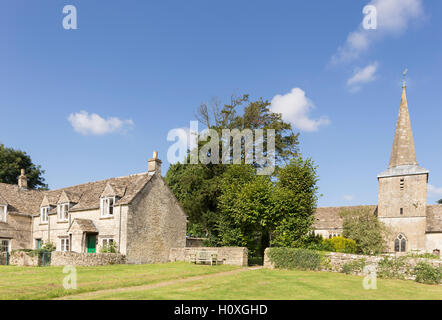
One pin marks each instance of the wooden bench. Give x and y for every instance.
(203, 257)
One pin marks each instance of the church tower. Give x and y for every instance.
(402, 196)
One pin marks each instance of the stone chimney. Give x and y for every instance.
(22, 180)
(154, 164)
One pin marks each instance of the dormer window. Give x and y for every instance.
(107, 206)
(3, 212)
(63, 212)
(44, 214)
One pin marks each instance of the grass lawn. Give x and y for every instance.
(44, 283)
(267, 284)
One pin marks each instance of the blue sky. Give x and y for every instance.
(149, 64)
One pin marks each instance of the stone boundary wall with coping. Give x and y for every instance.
(22, 259)
(237, 256)
(86, 259)
(335, 261)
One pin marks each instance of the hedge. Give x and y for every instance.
(295, 258)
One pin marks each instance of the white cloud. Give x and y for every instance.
(295, 108)
(393, 17)
(93, 124)
(433, 191)
(362, 76)
(349, 197)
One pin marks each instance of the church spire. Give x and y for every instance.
(403, 152)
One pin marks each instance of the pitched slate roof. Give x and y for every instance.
(89, 193)
(84, 196)
(329, 218)
(84, 225)
(434, 218)
(20, 200)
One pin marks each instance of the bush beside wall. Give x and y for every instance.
(420, 269)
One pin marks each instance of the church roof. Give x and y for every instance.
(403, 152)
(329, 217)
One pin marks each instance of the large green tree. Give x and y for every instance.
(296, 195)
(12, 160)
(198, 186)
(256, 211)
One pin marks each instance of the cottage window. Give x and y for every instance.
(64, 244)
(4, 245)
(400, 243)
(63, 212)
(107, 206)
(3, 212)
(44, 214)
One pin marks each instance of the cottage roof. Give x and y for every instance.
(84, 196)
(84, 225)
(20, 200)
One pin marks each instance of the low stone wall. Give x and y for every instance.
(86, 259)
(237, 256)
(21, 258)
(335, 261)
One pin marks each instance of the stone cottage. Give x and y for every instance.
(136, 214)
(402, 198)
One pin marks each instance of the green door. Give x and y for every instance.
(91, 240)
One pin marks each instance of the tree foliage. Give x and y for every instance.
(439, 201)
(11, 161)
(256, 212)
(361, 225)
(198, 186)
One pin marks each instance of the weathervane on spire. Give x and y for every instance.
(404, 74)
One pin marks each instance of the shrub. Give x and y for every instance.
(295, 258)
(426, 273)
(109, 248)
(361, 225)
(341, 244)
(394, 268)
(356, 266)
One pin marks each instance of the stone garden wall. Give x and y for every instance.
(336, 262)
(86, 259)
(21, 258)
(237, 256)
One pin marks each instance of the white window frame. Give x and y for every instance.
(64, 245)
(9, 245)
(106, 241)
(44, 214)
(4, 215)
(105, 206)
(63, 211)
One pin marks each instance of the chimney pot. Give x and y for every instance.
(22, 180)
(154, 164)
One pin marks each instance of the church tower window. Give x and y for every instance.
(402, 184)
(400, 243)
